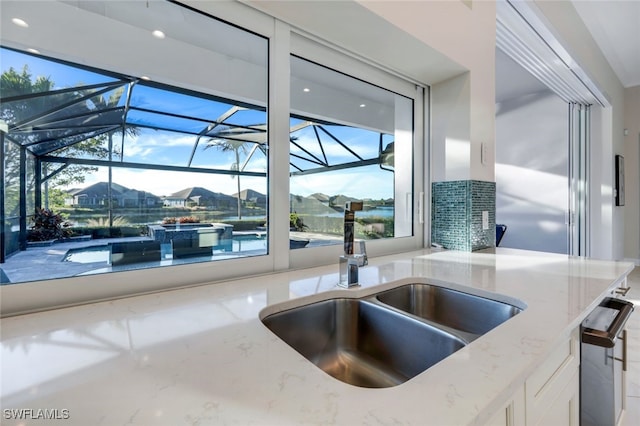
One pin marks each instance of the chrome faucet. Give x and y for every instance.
(350, 261)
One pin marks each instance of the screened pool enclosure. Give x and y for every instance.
(130, 161)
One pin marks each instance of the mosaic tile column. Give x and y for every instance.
(456, 214)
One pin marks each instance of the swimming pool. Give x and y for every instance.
(88, 254)
(253, 243)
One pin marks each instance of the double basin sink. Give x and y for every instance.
(387, 338)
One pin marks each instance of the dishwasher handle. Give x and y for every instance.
(606, 338)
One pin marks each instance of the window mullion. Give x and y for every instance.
(278, 114)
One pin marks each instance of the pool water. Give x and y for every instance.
(249, 242)
(88, 254)
(92, 254)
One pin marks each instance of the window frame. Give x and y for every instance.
(309, 48)
(52, 293)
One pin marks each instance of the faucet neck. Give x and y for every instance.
(349, 231)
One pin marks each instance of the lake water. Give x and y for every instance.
(386, 212)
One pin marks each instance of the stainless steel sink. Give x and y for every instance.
(453, 310)
(389, 337)
(361, 342)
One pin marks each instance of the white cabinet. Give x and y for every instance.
(552, 391)
(551, 395)
(512, 413)
(565, 409)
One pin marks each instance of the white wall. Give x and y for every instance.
(532, 163)
(632, 173)
(601, 196)
(450, 129)
(462, 123)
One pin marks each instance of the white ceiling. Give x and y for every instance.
(615, 26)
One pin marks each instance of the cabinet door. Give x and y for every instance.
(565, 410)
(511, 413)
(549, 391)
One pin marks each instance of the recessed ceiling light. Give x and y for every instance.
(362, 105)
(20, 22)
(158, 34)
(32, 50)
(306, 89)
(144, 77)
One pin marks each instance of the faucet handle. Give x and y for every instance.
(362, 259)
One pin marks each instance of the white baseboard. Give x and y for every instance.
(636, 261)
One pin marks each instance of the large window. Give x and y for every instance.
(140, 144)
(350, 140)
(162, 144)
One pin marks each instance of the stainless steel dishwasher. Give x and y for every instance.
(603, 357)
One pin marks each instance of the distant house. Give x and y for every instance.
(97, 195)
(197, 196)
(253, 196)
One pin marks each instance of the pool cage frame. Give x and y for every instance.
(72, 122)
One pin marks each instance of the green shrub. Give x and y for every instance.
(100, 232)
(48, 225)
(296, 223)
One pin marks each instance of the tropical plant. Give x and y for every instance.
(296, 223)
(237, 147)
(48, 225)
(183, 219)
(24, 98)
(188, 219)
(56, 198)
(16, 84)
(104, 221)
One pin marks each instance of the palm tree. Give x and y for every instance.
(102, 104)
(227, 145)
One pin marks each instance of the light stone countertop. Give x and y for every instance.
(201, 356)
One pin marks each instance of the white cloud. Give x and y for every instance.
(160, 138)
(151, 143)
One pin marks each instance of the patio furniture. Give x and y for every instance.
(200, 243)
(127, 252)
